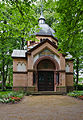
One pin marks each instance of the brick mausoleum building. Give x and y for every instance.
(42, 67)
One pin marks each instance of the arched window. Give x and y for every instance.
(67, 68)
(21, 67)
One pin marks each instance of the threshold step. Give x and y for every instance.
(47, 93)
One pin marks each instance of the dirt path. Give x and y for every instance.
(43, 108)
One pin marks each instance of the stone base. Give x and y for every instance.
(20, 89)
(70, 88)
(64, 89)
(61, 89)
(25, 89)
(31, 89)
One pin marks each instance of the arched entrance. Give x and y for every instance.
(45, 69)
(45, 75)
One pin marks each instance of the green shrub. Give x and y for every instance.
(75, 93)
(78, 87)
(13, 101)
(7, 97)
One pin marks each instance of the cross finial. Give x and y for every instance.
(41, 19)
(41, 8)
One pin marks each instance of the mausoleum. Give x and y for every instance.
(42, 67)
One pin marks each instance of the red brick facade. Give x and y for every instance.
(45, 51)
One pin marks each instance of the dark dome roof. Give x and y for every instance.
(45, 29)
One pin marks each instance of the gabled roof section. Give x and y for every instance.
(37, 46)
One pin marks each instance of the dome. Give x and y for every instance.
(45, 29)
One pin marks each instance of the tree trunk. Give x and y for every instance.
(3, 75)
(22, 47)
(77, 70)
(6, 74)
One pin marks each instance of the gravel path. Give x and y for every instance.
(51, 107)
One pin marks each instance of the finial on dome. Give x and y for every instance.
(41, 19)
(41, 8)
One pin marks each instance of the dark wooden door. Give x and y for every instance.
(46, 81)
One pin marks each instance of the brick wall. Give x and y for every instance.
(19, 79)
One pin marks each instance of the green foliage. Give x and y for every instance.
(69, 17)
(10, 97)
(13, 100)
(75, 93)
(78, 87)
(80, 79)
(69, 29)
(16, 21)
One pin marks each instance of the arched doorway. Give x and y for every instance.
(45, 73)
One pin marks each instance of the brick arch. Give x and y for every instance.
(56, 65)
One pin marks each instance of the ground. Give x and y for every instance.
(52, 107)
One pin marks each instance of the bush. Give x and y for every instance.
(10, 97)
(78, 87)
(75, 93)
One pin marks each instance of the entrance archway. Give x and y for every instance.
(45, 69)
(45, 75)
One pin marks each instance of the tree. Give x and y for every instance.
(16, 20)
(69, 28)
(68, 24)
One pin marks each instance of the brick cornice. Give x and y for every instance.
(19, 72)
(30, 70)
(69, 73)
(60, 71)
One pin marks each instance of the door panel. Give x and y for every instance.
(46, 81)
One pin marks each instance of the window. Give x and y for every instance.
(21, 67)
(53, 42)
(67, 68)
(32, 42)
(57, 78)
(41, 40)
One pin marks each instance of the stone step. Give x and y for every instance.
(47, 93)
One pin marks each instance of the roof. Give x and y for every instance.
(19, 53)
(69, 56)
(45, 29)
(41, 43)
